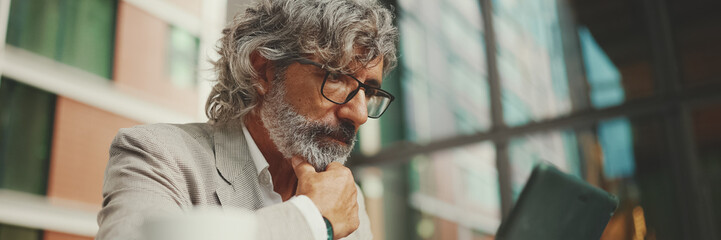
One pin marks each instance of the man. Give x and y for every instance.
(296, 78)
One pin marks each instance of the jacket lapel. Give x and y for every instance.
(232, 159)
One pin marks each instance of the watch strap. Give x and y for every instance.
(329, 228)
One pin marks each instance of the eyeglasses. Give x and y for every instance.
(340, 88)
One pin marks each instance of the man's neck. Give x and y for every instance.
(284, 179)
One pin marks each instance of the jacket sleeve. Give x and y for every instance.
(140, 181)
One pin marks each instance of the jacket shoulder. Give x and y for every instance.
(167, 142)
(191, 133)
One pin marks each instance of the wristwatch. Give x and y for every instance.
(329, 228)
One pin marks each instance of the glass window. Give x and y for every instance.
(443, 69)
(558, 148)
(616, 48)
(459, 186)
(75, 32)
(33, 26)
(555, 59)
(604, 79)
(385, 188)
(183, 58)
(26, 122)
(531, 61)
(19, 233)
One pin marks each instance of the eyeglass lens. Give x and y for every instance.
(340, 88)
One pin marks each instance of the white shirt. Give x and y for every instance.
(270, 197)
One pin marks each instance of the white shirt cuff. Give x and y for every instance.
(312, 216)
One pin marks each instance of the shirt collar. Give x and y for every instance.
(258, 159)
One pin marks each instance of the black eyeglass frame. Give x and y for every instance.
(352, 94)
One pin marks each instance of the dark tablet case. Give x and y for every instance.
(554, 205)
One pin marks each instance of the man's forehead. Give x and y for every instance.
(355, 65)
(373, 69)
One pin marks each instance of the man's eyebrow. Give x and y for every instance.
(373, 83)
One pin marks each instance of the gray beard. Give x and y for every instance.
(295, 135)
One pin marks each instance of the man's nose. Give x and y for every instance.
(355, 110)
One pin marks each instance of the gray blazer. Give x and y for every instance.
(166, 168)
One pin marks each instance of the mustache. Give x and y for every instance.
(344, 132)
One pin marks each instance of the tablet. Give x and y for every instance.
(554, 205)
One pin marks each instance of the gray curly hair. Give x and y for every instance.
(331, 30)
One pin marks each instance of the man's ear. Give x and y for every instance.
(264, 68)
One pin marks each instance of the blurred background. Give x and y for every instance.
(625, 94)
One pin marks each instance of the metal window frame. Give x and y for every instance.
(670, 100)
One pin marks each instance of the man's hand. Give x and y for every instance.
(332, 191)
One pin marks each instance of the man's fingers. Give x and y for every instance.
(296, 160)
(301, 167)
(333, 165)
